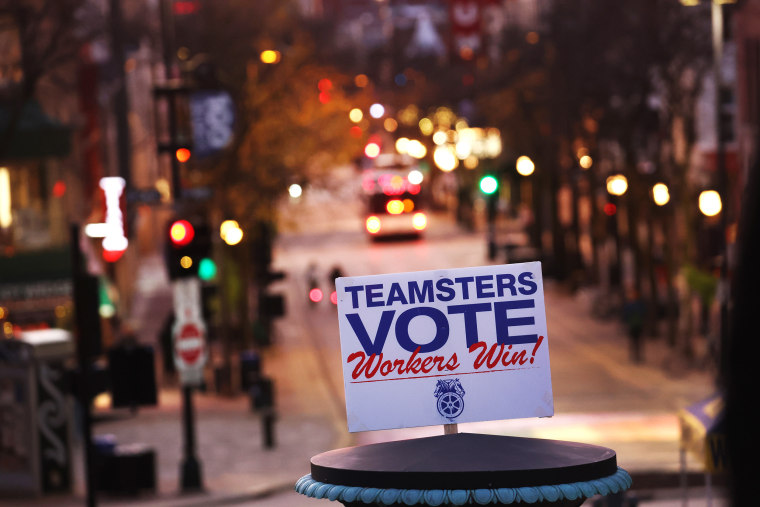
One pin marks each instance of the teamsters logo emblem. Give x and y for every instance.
(450, 394)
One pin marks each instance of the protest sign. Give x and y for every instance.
(444, 346)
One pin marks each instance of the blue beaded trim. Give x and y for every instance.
(619, 481)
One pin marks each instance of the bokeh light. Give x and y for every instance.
(230, 232)
(376, 110)
(416, 149)
(316, 295)
(394, 207)
(372, 150)
(426, 126)
(617, 184)
(660, 194)
(415, 177)
(270, 56)
(471, 162)
(373, 225)
(419, 221)
(489, 185)
(390, 125)
(361, 80)
(525, 166)
(355, 115)
(710, 203)
(445, 158)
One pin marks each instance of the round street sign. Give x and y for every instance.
(188, 345)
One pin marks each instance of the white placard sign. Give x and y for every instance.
(444, 346)
(189, 331)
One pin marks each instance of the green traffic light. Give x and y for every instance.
(206, 269)
(489, 185)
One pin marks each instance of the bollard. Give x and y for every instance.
(267, 427)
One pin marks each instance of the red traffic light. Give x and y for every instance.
(181, 233)
(324, 85)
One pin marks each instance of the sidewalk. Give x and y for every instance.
(235, 465)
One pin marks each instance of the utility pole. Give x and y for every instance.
(121, 100)
(722, 183)
(190, 467)
(88, 333)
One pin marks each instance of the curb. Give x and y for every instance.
(657, 480)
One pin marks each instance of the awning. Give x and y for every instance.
(36, 134)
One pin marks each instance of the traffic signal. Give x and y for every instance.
(189, 250)
(182, 155)
(489, 184)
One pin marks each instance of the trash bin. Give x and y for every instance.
(123, 469)
(133, 375)
(35, 417)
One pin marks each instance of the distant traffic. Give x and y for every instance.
(394, 197)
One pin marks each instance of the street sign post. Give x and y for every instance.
(189, 334)
(443, 347)
(189, 331)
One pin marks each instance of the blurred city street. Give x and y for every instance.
(221, 219)
(600, 396)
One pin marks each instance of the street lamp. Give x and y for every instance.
(270, 56)
(445, 159)
(660, 194)
(617, 184)
(525, 166)
(376, 110)
(720, 165)
(230, 232)
(709, 203)
(402, 144)
(416, 149)
(355, 115)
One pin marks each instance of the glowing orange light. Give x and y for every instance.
(373, 225)
(395, 207)
(361, 80)
(182, 154)
(270, 56)
(315, 295)
(419, 221)
(408, 205)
